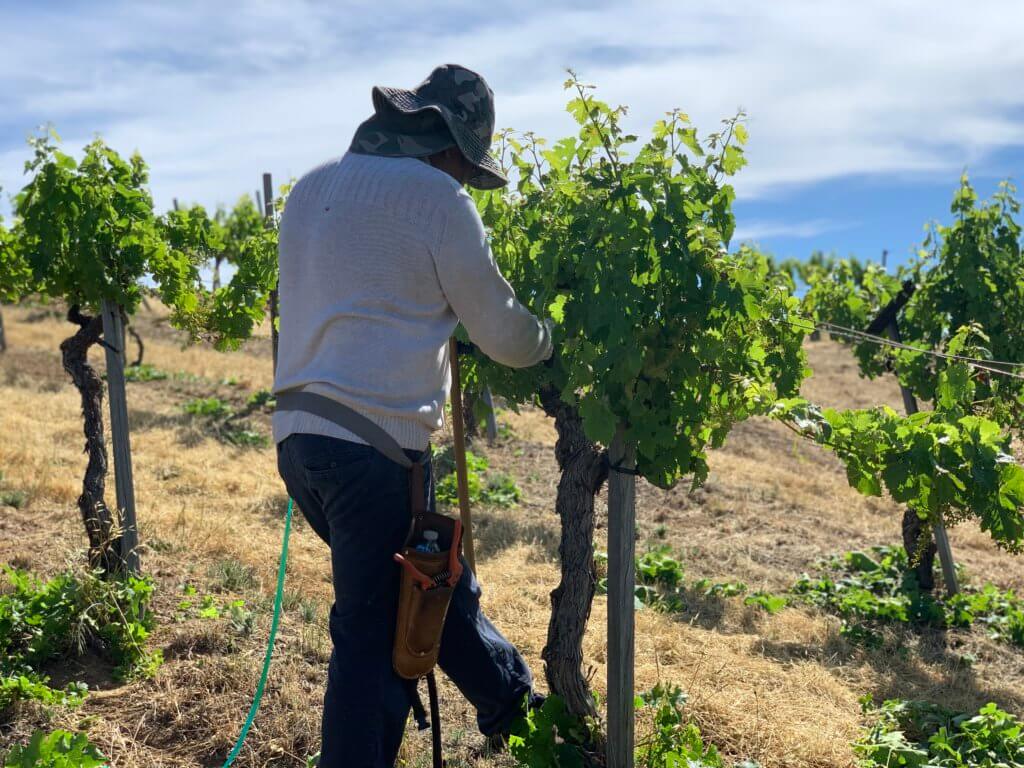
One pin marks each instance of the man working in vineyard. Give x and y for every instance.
(382, 253)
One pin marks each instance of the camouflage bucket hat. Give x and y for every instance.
(452, 104)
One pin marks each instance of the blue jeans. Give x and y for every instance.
(357, 501)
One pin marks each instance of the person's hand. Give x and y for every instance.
(550, 325)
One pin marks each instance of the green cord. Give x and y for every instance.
(270, 643)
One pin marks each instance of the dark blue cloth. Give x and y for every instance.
(358, 502)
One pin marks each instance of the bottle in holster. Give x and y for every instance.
(429, 542)
(430, 570)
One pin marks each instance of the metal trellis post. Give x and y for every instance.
(113, 334)
(621, 611)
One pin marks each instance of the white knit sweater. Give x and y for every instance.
(380, 259)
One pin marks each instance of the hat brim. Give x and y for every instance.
(489, 176)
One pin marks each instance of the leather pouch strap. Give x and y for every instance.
(347, 418)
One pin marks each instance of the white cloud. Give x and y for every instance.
(213, 94)
(757, 230)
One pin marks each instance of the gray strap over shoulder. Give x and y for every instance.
(346, 418)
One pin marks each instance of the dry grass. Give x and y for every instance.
(782, 689)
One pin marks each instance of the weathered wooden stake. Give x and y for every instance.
(941, 537)
(268, 213)
(461, 475)
(621, 597)
(113, 335)
(3, 336)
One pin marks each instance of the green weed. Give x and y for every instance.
(244, 438)
(920, 734)
(9, 497)
(228, 425)
(143, 373)
(242, 620)
(261, 398)
(549, 737)
(35, 687)
(212, 407)
(44, 620)
(307, 607)
(767, 601)
(58, 749)
(231, 575)
(661, 582)
(13, 498)
(497, 489)
(673, 739)
(869, 591)
(709, 588)
(501, 490)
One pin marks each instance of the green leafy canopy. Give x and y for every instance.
(968, 300)
(89, 232)
(943, 466)
(624, 245)
(86, 232)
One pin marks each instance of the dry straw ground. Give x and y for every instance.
(781, 689)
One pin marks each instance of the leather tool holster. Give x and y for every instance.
(427, 582)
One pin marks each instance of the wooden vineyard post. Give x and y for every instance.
(492, 421)
(113, 334)
(3, 337)
(268, 213)
(459, 428)
(621, 597)
(887, 323)
(941, 537)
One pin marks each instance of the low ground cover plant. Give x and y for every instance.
(550, 737)
(41, 621)
(661, 582)
(496, 489)
(870, 590)
(58, 749)
(920, 734)
(192, 605)
(11, 497)
(867, 590)
(144, 372)
(228, 424)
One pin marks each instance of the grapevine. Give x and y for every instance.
(658, 327)
(86, 233)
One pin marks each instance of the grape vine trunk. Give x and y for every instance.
(104, 543)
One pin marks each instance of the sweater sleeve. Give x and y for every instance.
(481, 297)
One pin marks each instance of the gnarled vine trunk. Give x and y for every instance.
(584, 469)
(100, 527)
(921, 549)
(138, 340)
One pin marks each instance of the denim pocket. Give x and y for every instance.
(321, 456)
(342, 467)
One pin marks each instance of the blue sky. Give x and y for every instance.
(862, 115)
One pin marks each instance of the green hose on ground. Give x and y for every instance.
(278, 597)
